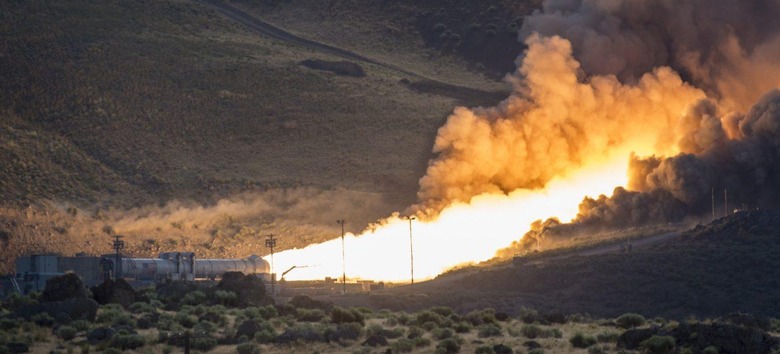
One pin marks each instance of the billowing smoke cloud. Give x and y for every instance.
(607, 78)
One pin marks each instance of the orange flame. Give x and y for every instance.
(462, 233)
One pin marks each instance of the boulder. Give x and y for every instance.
(63, 287)
(247, 328)
(115, 292)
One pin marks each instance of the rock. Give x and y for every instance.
(247, 328)
(249, 289)
(115, 292)
(375, 341)
(99, 335)
(63, 287)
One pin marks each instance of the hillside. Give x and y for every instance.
(122, 111)
(709, 271)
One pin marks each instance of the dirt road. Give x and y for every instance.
(467, 95)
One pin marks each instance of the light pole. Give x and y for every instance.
(270, 242)
(343, 259)
(411, 245)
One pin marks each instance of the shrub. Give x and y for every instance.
(582, 341)
(403, 345)
(462, 327)
(710, 350)
(248, 348)
(420, 342)
(194, 298)
(448, 346)
(66, 332)
(42, 319)
(7, 324)
(630, 320)
(531, 331)
(658, 344)
(607, 337)
(340, 315)
(484, 350)
(414, 332)
(443, 311)
(142, 307)
(442, 333)
(226, 298)
(429, 316)
(203, 343)
(185, 319)
(347, 331)
(124, 341)
(480, 317)
(488, 330)
(305, 332)
(310, 315)
(536, 351)
(429, 326)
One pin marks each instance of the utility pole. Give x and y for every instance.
(726, 202)
(118, 246)
(270, 242)
(713, 203)
(343, 259)
(411, 246)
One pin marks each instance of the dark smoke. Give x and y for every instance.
(668, 190)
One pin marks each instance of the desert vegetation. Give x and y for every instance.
(237, 316)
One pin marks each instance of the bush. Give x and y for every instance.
(42, 319)
(142, 307)
(531, 331)
(484, 350)
(443, 311)
(248, 348)
(710, 350)
(462, 327)
(480, 317)
(185, 319)
(403, 345)
(347, 331)
(203, 343)
(658, 344)
(582, 341)
(340, 315)
(630, 320)
(420, 342)
(607, 337)
(429, 316)
(66, 332)
(442, 333)
(448, 346)
(194, 298)
(310, 315)
(226, 298)
(488, 330)
(7, 324)
(414, 332)
(124, 341)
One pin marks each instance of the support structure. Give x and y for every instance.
(343, 259)
(270, 242)
(411, 247)
(119, 245)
